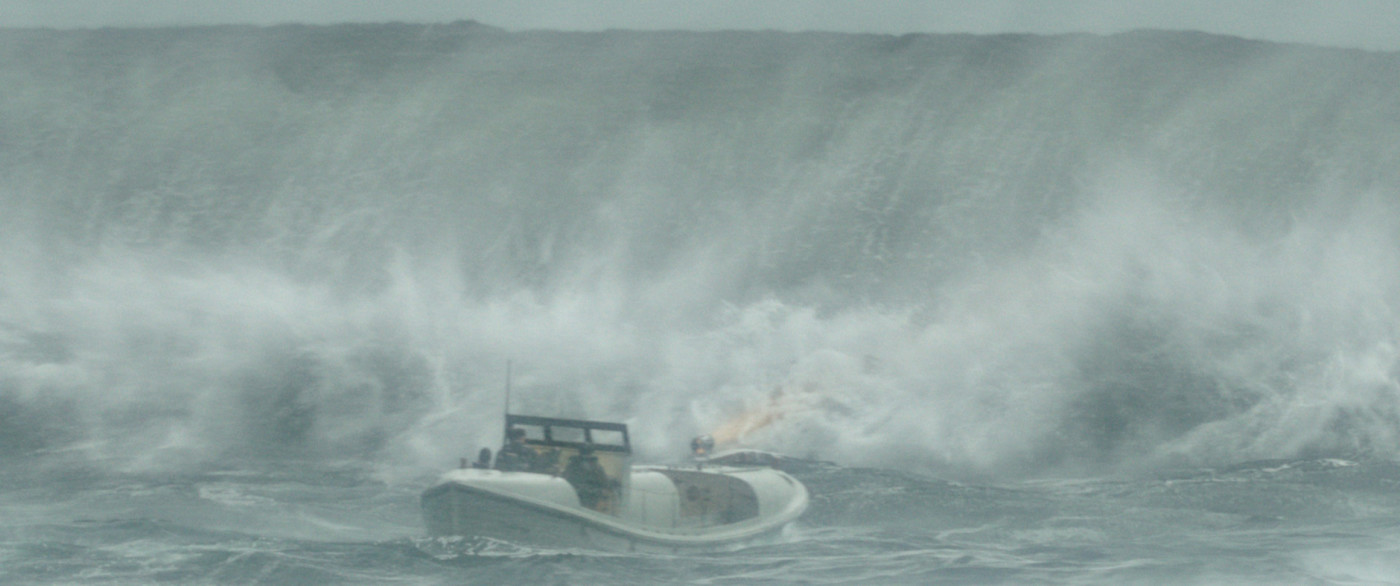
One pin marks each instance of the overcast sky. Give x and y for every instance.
(1366, 24)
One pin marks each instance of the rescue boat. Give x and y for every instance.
(703, 505)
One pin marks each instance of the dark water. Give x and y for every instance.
(1294, 522)
(1058, 309)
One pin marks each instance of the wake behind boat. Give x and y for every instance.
(571, 483)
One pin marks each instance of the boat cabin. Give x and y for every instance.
(594, 456)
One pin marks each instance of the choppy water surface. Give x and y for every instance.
(1294, 522)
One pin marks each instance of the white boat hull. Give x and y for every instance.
(662, 509)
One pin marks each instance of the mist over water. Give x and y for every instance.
(1000, 256)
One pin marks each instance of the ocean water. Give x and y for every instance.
(1275, 522)
(1071, 310)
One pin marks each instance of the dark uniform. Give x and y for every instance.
(483, 459)
(702, 446)
(588, 478)
(515, 455)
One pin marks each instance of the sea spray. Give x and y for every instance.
(965, 255)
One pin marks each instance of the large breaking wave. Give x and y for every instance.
(961, 254)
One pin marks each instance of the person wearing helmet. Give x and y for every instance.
(702, 446)
(515, 455)
(588, 478)
(483, 459)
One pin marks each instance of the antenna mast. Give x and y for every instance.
(507, 389)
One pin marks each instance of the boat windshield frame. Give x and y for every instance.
(546, 431)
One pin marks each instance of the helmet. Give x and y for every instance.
(702, 445)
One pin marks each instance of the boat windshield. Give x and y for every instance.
(572, 433)
(610, 437)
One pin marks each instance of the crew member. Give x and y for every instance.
(588, 478)
(483, 459)
(702, 446)
(515, 455)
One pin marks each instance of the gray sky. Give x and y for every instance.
(1366, 24)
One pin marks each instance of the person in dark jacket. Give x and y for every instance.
(588, 478)
(483, 459)
(702, 446)
(515, 455)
